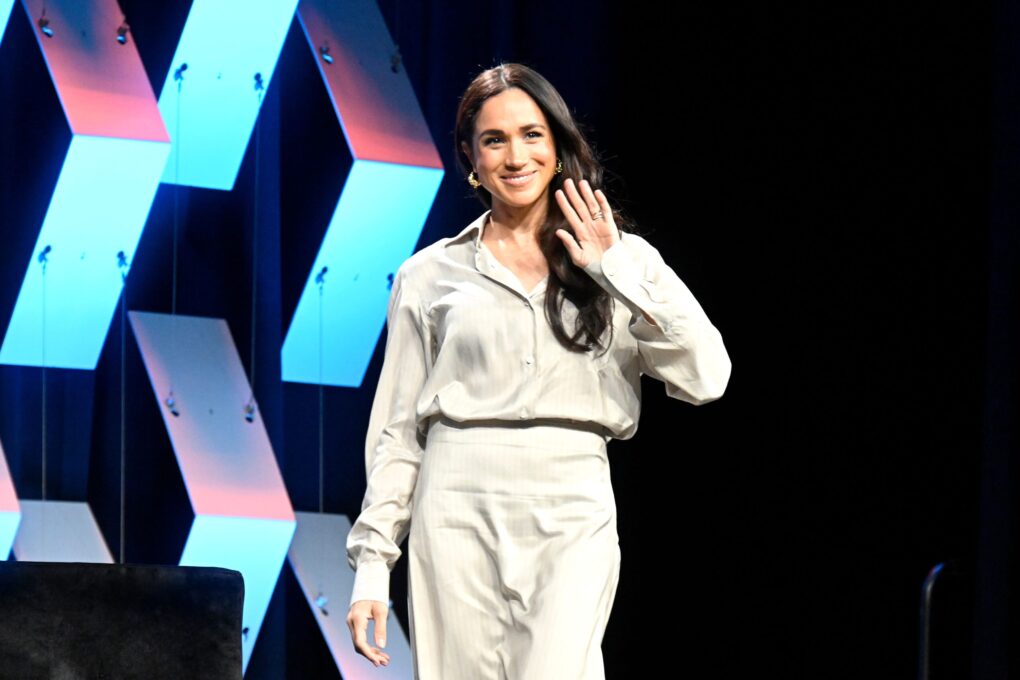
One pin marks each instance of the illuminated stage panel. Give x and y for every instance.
(243, 516)
(384, 202)
(5, 13)
(368, 237)
(10, 511)
(376, 106)
(105, 188)
(224, 44)
(59, 531)
(101, 84)
(318, 557)
(99, 207)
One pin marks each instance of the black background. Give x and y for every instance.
(835, 183)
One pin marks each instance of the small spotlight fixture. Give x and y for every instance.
(260, 85)
(395, 60)
(320, 278)
(44, 25)
(249, 411)
(122, 32)
(179, 72)
(122, 264)
(324, 53)
(321, 601)
(172, 405)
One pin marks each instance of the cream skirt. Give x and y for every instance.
(513, 553)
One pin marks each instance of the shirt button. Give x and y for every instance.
(524, 413)
(609, 271)
(529, 360)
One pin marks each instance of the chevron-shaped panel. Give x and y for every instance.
(211, 106)
(104, 191)
(243, 515)
(384, 202)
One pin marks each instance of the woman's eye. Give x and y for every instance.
(491, 140)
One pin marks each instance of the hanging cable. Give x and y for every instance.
(179, 77)
(249, 410)
(123, 265)
(43, 260)
(321, 279)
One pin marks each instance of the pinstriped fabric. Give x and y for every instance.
(467, 344)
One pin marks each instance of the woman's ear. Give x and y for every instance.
(467, 152)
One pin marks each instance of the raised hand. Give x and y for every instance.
(589, 214)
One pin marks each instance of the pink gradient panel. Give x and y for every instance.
(227, 463)
(8, 496)
(102, 84)
(376, 107)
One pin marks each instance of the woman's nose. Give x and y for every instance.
(517, 155)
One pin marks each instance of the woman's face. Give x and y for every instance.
(513, 150)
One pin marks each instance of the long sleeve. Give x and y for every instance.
(683, 349)
(392, 448)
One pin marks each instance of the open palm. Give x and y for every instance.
(588, 212)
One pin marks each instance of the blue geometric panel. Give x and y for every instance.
(59, 531)
(225, 43)
(367, 239)
(319, 561)
(10, 509)
(104, 192)
(5, 13)
(383, 205)
(98, 209)
(243, 516)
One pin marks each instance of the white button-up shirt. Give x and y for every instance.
(465, 340)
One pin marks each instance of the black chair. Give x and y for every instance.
(84, 620)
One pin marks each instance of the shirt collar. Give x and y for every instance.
(472, 231)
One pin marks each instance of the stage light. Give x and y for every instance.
(122, 32)
(321, 601)
(324, 53)
(249, 411)
(172, 405)
(44, 25)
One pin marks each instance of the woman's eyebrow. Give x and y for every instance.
(529, 126)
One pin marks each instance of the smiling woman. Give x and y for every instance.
(487, 440)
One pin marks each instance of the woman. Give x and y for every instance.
(514, 353)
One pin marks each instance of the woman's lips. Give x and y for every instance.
(518, 180)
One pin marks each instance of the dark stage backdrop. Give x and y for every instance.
(829, 180)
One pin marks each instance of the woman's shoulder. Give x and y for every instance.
(423, 262)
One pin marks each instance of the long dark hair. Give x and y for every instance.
(566, 280)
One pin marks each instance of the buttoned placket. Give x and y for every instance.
(488, 266)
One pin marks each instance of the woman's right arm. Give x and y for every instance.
(392, 449)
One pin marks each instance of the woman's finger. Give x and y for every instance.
(590, 201)
(567, 209)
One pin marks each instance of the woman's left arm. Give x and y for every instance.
(679, 346)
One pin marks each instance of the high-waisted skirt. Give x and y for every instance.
(513, 553)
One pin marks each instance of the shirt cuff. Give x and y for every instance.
(632, 272)
(371, 582)
(599, 271)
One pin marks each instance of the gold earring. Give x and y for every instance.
(559, 166)
(473, 180)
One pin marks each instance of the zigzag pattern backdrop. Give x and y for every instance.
(111, 184)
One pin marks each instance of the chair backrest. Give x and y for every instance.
(84, 620)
